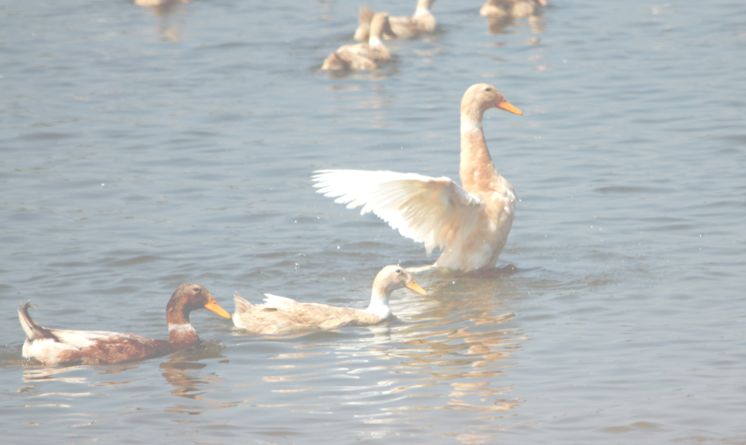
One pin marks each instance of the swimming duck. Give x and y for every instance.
(59, 346)
(165, 4)
(404, 27)
(517, 9)
(470, 223)
(362, 56)
(280, 315)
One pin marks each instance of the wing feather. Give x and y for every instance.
(425, 209)
(84, 339)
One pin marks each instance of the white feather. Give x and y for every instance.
(278, 302)
(84, 339)
(424, 209)
(46, 349)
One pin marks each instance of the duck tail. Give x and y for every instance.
(242, 305)
(33, 330)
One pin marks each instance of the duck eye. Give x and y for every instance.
(488, 89)
(398, 271)
(196, 289)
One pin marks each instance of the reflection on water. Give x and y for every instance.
(499, 25)
(180, 370)
(168, 12)
(384, 70)
(34, 374)
(443, 353)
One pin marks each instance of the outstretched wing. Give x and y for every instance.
(427, 210)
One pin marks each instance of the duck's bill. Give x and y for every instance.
(507, 106)
(213, 306)
(415, 287)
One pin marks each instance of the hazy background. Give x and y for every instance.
(139, 151)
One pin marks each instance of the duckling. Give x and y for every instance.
(404, 27)
(362, 56)
(280, 315)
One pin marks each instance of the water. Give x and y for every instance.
(141, 151)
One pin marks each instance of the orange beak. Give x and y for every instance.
(213, 306)
(415, 287)
(507, 106)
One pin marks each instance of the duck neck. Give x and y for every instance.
(376, 30)
(477, 170)
(423, 7)
(180, 330)
(379, 303)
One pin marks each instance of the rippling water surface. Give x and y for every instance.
(140, 149)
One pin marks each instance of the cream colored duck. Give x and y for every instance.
(62, 346)
(362, 56)
(517, 9)
(280, 315)
(167, 4)
(470, 223)
(422, 21)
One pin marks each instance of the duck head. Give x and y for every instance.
(189, 297)
(389, 279)
(480, 98)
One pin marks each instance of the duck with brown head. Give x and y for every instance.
(60, 346)
(470, 223)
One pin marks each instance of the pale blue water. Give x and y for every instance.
(141, 151)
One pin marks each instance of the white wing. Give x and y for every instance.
(427, 210)
(84, 339)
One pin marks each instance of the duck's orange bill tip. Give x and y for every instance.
(507, 106)
(213, 306)
(416, 287)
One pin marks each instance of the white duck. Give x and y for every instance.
(404, 27)
(280, 315)
(470, 223)
(362, 56)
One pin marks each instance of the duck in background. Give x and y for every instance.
(59, 346)
(168, 27)
(469, 223)
(280, 315)
(515, 9)
(404, 27)
(502, 13)
(159, 3)
(362, 56)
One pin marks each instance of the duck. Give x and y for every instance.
(516, 9)
(421, 22)
(68, 347)
(165, 4)
(362, 56)
(469, 223)
(281, 315)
